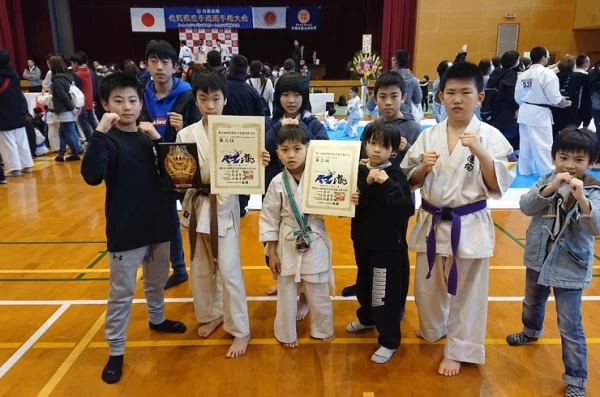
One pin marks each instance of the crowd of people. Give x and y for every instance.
(485, 112)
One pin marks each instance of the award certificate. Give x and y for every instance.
(330, 177)
(236, 144)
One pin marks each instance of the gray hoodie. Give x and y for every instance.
(413, 93)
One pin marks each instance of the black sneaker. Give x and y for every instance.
(349, 291)
(73, 158)
(519, 339)
(176, 279)
(3, 180)
(59, 159)
(113, 369)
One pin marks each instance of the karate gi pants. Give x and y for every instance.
(463, 318)
(123, 275)
(14, 148)
(535, 155)
(53, 138)
(381, 289)
(220, 291)
(319, 302)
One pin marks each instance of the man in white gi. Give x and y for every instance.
(536, 92)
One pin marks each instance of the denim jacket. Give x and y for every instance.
(569, 263)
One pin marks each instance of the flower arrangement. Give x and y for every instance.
(365, 66)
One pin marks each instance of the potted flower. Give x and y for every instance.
(365, 67)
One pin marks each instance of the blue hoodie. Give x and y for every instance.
(158, 108)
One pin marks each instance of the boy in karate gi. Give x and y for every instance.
(298, 246)
(354, 113)
(559, 253)
(214, 223)
(138, 213)
(459, 164)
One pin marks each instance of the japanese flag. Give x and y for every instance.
(147, 20)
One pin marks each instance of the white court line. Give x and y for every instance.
(249, 298)
(32, 340)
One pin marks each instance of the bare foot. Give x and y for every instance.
(292, 345)
(303, 309)
(449, 367)
(419, 335)
(205, 330)
(272, 290)
(329, 339)
(238, 347)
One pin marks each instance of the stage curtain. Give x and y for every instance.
(398, 29)
(12, 35)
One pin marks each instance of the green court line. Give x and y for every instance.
(510, 236)
(101, 254)
(9, 280)
(49, 242)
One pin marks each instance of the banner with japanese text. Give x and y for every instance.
(304, 18)
(208, 17)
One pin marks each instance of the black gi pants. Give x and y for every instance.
(381, 289)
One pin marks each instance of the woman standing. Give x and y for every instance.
(64, 109)
(263, 85)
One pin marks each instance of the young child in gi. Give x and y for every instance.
(559, 252)
(459, 164)
(354, 113)
(379, 237)
(138, 213)
(298, 246)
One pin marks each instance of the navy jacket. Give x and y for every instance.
(243, 99)
(13, 106)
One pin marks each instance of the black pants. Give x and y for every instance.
(381, 289)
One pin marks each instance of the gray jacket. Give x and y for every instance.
(413, 92)
(33, 76)
(569, 262)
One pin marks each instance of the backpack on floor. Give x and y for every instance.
(76, 96)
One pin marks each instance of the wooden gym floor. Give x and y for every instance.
(53, 278)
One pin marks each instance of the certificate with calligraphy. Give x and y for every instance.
(236, 144)
(330, 177)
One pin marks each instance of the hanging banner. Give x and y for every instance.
(208, 17)
(304, 18)
(268, 17)
(229, 38)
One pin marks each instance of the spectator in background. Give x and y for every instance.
(87, 121)
(525, 64)
(296, 56)
(496, 63)
(242, 100)
(263, 85)
(425, 90)
(14, 146)
(224, 51)
(582, 64)
(47, 83)
(288, 66)
(306, 73)
(505, 108)
(144, 75)
(486, 67)
(215, 62)
(185, 54)
(414, 95)
(33, 76)
(575, 88)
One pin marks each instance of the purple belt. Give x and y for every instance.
(453, 215)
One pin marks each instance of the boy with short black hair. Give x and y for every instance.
(213, 221)
(379, 237)
(169, 105)
(300, 262)
(138, 216)
(459, 164)
(559, 252)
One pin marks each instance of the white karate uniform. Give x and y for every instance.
(456, 180)
(51, 120)
(538, 85)
(218, 291)
(14, 149)
(312, 270)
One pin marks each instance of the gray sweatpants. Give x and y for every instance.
(123, 270)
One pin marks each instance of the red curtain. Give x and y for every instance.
(12, 35)
(398, 29)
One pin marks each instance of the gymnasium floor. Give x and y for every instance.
(53, 278)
